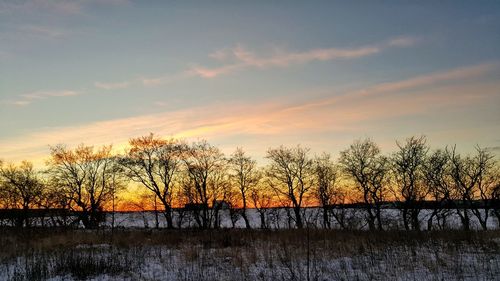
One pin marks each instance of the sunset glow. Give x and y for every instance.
(249, 140)
(251, 76)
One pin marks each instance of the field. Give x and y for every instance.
(236, 254)
(134, 249)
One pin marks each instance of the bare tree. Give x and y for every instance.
(23, 186)
(345, 216)
(84, 175)
(262, 202)
(222, 193)
(439, 184)
(408, 169)
(245, 174)
(488, 179)
(155, 163)
(206, 175)
(117, 184)
(181, 199)
(364, 164)
(231, 201)
(291, 175)
(472, 184)
(327, 177)
(495, 200)
(3, 191)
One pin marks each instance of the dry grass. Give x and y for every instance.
(247, 254)
(14, 242)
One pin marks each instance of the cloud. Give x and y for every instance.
(214, 72)
(20, 102)
(58, 7)
(160, 103)
(271, 122)
(26, 99)
(240, 57)
(47, 94)
(146, 81)
(461, 74)
(452, 75)
(35, 6)
(403, 41)
(43, 31)
(164, 79)
(112, 86)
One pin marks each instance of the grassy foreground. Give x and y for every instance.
(238, 254)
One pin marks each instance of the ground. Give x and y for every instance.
(238, 254)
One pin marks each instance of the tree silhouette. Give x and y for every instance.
(206, 171)
(84, 175)
(155, 164)
(22, 187)
(291, 175)
(245, 175)
(327, 181)
(408, 171)
(364, 164)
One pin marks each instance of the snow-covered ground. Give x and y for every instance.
(432, 260)
(277, 218)
(265, 257)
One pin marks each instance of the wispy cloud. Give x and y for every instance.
(493, 148)
(26, 99)
(270, 122)
(164, 79)
(32, 6)
(405, 41)
(146, 81)
(43, 31)
(205, 72)
(112, 86)
(461, 74)
(61, 7)
(240, 57)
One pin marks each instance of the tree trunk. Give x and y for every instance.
(168, 216)
(415, 220)
(379, 219)
(244, 213)
(497, 214)
(262, 220)
(429, 221)
(204, 217)
(326, 218)
(298, 217)
(216, 218)
(405, 218)
(465, 219)
(370, 218)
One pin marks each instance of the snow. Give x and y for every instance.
(277, 219)
(428, 260)
(397, 262)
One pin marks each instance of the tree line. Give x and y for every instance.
(198, 180)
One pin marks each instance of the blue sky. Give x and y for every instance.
(254, 74)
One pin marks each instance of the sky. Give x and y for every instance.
(251, 74)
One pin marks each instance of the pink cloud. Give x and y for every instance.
(271, 121)
(241, 57)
